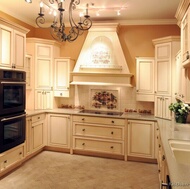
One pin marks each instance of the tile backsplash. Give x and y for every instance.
(81, 96)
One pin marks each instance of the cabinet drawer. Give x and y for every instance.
(90, 130)
(63, 93)
(98, 146)
(38, 117)
(12, 157)
(101, 120)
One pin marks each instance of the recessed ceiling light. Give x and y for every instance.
(28, 1)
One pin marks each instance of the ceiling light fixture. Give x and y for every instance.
(57, 28)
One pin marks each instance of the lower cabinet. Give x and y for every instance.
(98, 135)
(162, 163)
(35, 133)
(59, 130)
(11, 157)
(141, 140)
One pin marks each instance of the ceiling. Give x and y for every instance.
(131, 11)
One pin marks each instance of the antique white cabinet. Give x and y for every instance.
(59, 131)
(43, 99)
(62, 69)
(141, 139)
(98, 135)
(43, 53)
(161, 107)
(38, 132)
(145, 79)
(12, 45)
(165, 71)
(11, 158)
(28, 68)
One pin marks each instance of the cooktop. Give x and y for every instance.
(101, 112)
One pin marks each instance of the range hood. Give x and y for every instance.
(101, 60)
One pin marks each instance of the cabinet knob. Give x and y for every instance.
(83, 129)
(83, 119)
(163, 157)
(137, 90)
(5, 161)
(155, 92)
(112, 132)
(61, 94)
(187, 55)
(111, 147)
(112, 121)
(83, 144)
(20, 153)
(159, 145)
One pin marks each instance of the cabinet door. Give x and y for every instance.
(28, 68)
(37, 132)
(43, 67)
(6, 43)
(166, 112)
(187, 85)
(141, 139)
(61, 79)
(59, 131)
(145, 79)
(28, 136)
(19, 49)
(163, 69)
(185, 38)
(161, 107)
(43, 99)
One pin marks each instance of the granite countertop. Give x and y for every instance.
(179, 173)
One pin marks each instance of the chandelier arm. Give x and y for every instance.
(41, 20)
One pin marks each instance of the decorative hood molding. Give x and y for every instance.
(101, 60)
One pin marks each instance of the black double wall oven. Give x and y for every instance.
(12, 108)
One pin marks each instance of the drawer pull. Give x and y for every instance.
(83, 144)
(112, 121)
(5, 161)
(163, 157)
(20, 153)
(83, 129)
(38, 117)
(111, 147)
(83, 119)
(112, 132)
(159, 145)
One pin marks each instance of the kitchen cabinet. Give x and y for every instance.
(28, 144)
(99, 135)
(161, 160)
(12, 45)
(43, 66)
(59, 131)
(37, 132)
(185, 43)
(141, 140)
(145, 79)
(165, 71)
(11, 158)
(28, 68)
(43, 53)
(43, 99)
(62, 78)
(161, 107)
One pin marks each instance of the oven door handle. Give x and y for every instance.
(11, 82)
(7, 119)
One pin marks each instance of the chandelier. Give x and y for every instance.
(57, 28)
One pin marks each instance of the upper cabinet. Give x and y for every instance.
(183, 18)
(165, 82)
(62, 69)
(12, 45)
(145, 79)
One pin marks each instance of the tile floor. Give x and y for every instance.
(53, 170)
